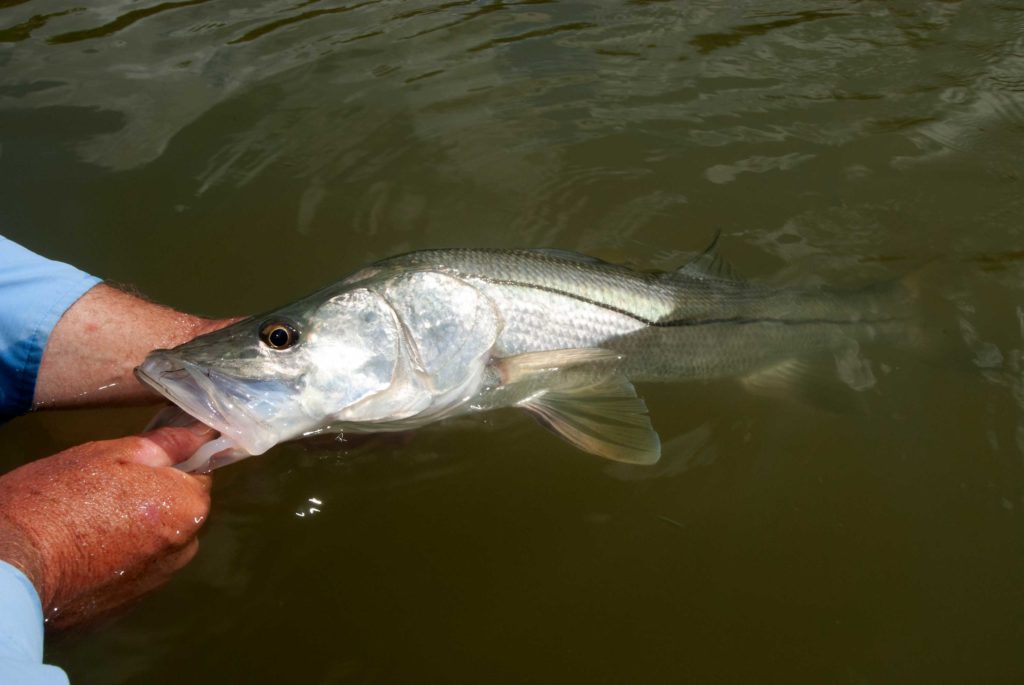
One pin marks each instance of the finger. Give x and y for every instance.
(168, 446)
(203, 480)
(176, 561)
(198, 494)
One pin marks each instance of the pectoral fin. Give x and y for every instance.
(557, 367)
(582, 396)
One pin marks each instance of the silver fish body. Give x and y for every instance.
(437, 333)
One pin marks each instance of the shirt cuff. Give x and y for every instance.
(34, 293)
(21, 632)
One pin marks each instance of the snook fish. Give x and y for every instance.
(432, 334)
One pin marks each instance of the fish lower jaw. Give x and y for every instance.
(252, 439)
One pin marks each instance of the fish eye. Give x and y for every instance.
(278, 335)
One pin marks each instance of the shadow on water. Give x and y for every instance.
(230, 157)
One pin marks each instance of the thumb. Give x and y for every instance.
(168, 446)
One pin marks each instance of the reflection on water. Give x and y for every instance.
(229, 157)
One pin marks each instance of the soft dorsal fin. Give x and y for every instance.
(708, 264)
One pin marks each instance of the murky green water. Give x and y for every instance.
(226, 157)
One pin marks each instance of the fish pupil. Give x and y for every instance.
(279, 337)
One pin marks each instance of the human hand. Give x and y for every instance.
(99, 524)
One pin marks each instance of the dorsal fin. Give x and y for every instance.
(708, 264)
(569, 256)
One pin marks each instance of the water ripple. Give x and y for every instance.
(466, 17)
(709, 42)
(536, 33)
(288, 21)
(23, 31)
(122, 22)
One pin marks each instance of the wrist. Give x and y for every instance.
(16, 549)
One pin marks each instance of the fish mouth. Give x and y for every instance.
(216, 399)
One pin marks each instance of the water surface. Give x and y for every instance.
(227, 157)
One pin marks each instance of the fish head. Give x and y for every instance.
(272, 378)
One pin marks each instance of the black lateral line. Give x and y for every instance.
(677, 323)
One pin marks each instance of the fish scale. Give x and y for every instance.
(671, 326)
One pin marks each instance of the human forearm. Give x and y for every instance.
(100, 339)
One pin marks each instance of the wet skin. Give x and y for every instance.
(100, 524)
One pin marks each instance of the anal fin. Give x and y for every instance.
(812, 384)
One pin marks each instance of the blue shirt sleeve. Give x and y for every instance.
(34, 293)
(21, 633)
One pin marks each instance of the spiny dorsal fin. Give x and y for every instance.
(567, 256)
(709, 264)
